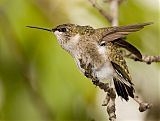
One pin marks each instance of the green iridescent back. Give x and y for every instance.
(74, 29)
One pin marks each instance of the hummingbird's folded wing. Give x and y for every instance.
(116, 32)
(124, 44)
(118, 63)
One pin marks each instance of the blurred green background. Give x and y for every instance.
(40, 82)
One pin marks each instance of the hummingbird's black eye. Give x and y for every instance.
(62, 29)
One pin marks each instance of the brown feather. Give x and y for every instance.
(123, 90)
(116, 32)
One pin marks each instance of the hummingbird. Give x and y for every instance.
(97, 52)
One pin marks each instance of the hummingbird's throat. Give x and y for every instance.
(67, 43)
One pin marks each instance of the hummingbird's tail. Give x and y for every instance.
(122, 89)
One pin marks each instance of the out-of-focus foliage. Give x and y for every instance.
(39, 80)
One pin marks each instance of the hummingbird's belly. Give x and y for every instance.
(106, 72)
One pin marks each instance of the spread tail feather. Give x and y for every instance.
(123, 90)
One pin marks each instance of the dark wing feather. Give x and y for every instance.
(116, 32)
(124, 44)
(120, 89)
(130, 91)
(123, 90)
(120, 71)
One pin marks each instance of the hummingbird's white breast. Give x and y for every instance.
(106, 71)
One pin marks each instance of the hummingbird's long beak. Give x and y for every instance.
(50, 30)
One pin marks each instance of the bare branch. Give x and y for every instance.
(114, 11)
(103, 12)
(109, 100)
(107, 1)
(111, 108)
(145, 58)
(142, 105)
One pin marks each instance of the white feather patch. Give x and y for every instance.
(75, 39)
(105, 72)
(102, 50)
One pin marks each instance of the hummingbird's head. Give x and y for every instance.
(68, 34)
(65, 32)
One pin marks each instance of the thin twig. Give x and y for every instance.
(114, 10)
(107, 1)
(142, 105)
(145, 58)
(109, 100)
(111, 108)
(103, 12)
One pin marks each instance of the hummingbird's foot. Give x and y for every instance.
(143, 106)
